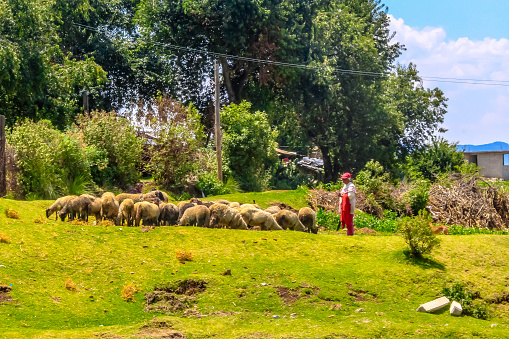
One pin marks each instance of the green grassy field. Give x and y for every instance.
(282, 284)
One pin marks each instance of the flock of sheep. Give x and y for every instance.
(153, 209)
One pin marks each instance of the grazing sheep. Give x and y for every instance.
(135, 197)
(255, 217)
(308, 218)
(273, 209)
(182, 203)
(289, 220)
(168, 214)
(250, 205)
(106, 194)
(94, 207)
(78, 206)
(154, 193)
(223, 215)
(58, 205)
(222, 201)
(165, 196)
(234, 205)
(147, 212)
(198, 215)
(184, 207)
(200, 202)
(126, 212)
(110, 208)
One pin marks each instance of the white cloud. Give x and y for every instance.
(477, 114)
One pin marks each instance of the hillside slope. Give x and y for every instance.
(282, 284)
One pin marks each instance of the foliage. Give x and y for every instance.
(328, 219)
(418, 195)
(435, 159)
(458, 292)
(460, 230)
(175, 140)
(248, 146)
(117, 149)
(374, 183)
(387, 224)
(418, 234)
(287, 176)
(209, 184)
(51, 163)
(128, 292)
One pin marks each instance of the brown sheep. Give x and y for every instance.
(135, 197)
(200, 202)
(289, 220)
(78, 206)
(168, 214)
(58, 205)
(223, 215)
(198, 215)
(126, 212)
(109, 208)
(95, 206)
(154, 193)
(255, 217)
(184, 207)
(147, 212)
(165, 196)
(234, 205)
(273, 209)
(182, 203)
(222, 201)
(308, 218)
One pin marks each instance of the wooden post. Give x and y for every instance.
(85, 101)
(218, 124)
(3, 158)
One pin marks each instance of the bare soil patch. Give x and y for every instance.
(360, 295)
(176, 297)
(365, 230)
(291, 295)
(4, 298)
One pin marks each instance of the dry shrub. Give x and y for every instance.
(4, 239)
(105, 223)
(79, 223)
(183, 255)
(128, 292)
(70, 285)
(39, 221)
(13, 214)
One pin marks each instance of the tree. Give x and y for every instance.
(248, 146)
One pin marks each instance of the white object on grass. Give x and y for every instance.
(433, 305)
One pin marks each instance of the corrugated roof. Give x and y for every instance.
(493, 147)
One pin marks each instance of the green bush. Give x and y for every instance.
(387, 224)
(117, 150)
(418, 234)
(327, 219)
(51, 163)
(418, 195)
(288, 177)
(458, 292)
(209, 184)
(248, 146)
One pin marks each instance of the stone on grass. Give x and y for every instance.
(455, 308)
(433, 305)
(360, 310)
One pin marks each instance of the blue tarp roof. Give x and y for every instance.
(493, 147)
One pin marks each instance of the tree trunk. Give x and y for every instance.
(327, 165)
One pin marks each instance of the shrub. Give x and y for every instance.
(183, 255)
(209, 184)
(248, 146)
(458, 292)
(387, 224)
(328, 219)
(70, 285)
(4, 239)
(418, 195)
(128, 292)
(13, 214)
(418, 234)
(288, 177)
(116, 150)
(374, 183)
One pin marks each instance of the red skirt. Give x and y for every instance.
(346, 216)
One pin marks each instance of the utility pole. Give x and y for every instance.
(85, 101)
(3, 158)
(217, 132)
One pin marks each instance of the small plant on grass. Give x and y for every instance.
(4, 239)
(128, 292)
(458, 292)
(183, 255)
(13, 214)
(417, 233)
(38, 221)
(70, 285)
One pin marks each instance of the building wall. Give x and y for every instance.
(492, 164)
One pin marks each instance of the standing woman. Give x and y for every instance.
(347, 203)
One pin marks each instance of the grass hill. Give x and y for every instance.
(282, 284)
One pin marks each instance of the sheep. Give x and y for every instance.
(308, 218)
(165, 196)
(135, 197)
(182, 208)
(289, 220)
(200, 202)
(78, 206)
(234, 205)
(148, 212)
(58, 205)
(256, 217)
(222, 201)
(154, 193)
(273, 209)
(168, 213)
(106, 194)
(182, 203)
(109, 208)
(250, 205)
(126, 212)
(95, 206)
(224, 215)
(198, 215)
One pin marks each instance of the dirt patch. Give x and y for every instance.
(284, 206)
(174, 298)
(109, 336)
(361, 295)
(4, 298)
(364, 230)
(160, 333)
(291, 295)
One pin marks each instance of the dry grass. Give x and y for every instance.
(4, 239)
(13, 214)
(38, 221)
(105, 223)
(70, 285)
(88, 270)
(128, 292)
(183, 255)
(79, 223)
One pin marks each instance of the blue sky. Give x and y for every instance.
(460, 39)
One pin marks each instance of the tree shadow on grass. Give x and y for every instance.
(423, 262)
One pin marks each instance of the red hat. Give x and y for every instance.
(346, 176)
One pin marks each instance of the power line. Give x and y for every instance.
(503, 83)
